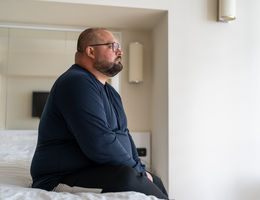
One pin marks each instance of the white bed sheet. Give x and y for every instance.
(16, 151)
(14, 192)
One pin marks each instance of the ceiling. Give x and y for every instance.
(77, 15)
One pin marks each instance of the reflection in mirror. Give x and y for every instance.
(31, 60)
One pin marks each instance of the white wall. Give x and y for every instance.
(153, 4)
(216, 93)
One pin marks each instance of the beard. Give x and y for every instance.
(109, 69)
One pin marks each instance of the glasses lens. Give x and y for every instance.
(116, 46)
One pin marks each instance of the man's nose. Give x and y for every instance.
(119, 52)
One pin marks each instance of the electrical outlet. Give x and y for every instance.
(141, 152)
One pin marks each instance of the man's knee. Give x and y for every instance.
(128, 177)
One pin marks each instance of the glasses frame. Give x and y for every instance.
(115, 45)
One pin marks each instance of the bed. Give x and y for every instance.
(16, 151)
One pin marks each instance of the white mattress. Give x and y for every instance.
(16, 151)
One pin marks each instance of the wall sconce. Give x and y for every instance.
(226, 10)
(135, 62)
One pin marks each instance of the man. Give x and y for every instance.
(83, 137)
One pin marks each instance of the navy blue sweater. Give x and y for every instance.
(83, 124)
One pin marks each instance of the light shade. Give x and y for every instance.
(226, 10)
(135, 62)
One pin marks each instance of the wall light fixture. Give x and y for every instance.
(135, 62)
(226, 10)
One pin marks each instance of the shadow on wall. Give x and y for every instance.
(212, 9)
(247, 190)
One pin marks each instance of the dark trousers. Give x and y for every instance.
(116, 178)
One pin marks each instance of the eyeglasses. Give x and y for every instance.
(115, 45)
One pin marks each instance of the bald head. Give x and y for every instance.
(88, 37)
(99, 53)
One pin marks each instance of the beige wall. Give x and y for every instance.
(137, 97)
(160, 101)
(37, 57)
(36, 52)
(2, 101)
(19, 100)
(3, 64)
(34, 60)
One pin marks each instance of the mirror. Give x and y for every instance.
(31, 59)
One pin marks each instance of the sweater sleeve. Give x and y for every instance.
(140, 166)
(81, 105)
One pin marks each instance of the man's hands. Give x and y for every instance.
(149, 176)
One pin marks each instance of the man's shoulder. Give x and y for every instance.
(76, 72)
(74, 76)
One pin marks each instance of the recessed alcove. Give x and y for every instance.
(146, 104)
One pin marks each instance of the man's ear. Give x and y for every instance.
(90, 52)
